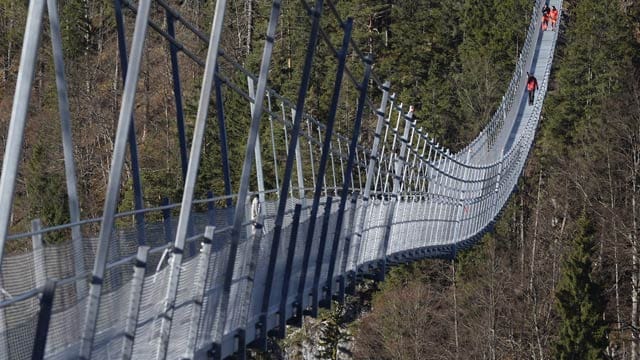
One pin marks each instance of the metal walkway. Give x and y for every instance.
(210, 283)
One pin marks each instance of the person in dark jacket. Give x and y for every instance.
(545, 9)
(532, 86)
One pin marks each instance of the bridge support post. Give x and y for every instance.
(115, 174)
(326, 150)
(319, 259)
(258, 147)
(44, 318)
(133, 144)
(238, 216)
(342, 280)
(198, 291)
(316, 13)
(407, 195)
(497, 188)
(461, 206)
(177, 93)
(137, 283)
(399, 165)
(222, 129)
(67, 144)
(373, 160)
(414, 185)
(15, 138)
(346, 185)
(184, 221)
(249, 268)
(39, 270)
(286, 283)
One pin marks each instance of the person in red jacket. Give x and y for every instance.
(545, 21)
(532, 86)
(553, 14)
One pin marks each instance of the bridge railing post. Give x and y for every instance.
(286, 283)
(115, 175)
(245, 297)
(177, 93)
(315, 292)
(497, 188)
(407, 188)
(39, 270)
(461, 203)
(385, 170)
(347, 178)
(184, 220)
(222, 130)
(19, 112)
(342, 280)
(198, 290)
(413, 193)
(442, 181)
(326, 150)
(273, 145)
(258, 148)
(137, 283)
(371, 170)
(398, 172)
(133, 144)
(299, 168)
(44, 319)
(426, 199)
(293, 147)
(435, 189)
(67, 145)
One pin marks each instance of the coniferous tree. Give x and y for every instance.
(44, 183)
(332, 334)
(580, 302)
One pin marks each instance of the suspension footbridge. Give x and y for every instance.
(215, 279)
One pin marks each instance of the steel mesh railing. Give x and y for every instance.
(403, 197)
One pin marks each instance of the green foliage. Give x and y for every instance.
(332, 333)
(12, 21)
(75, 27)
(590, 71)
(580, 301)
(46, 192)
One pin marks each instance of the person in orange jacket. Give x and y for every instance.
(545, 21)
(532, 86)
(553, 14)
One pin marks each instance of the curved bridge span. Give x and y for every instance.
(209, 277)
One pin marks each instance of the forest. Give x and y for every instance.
(558, 277)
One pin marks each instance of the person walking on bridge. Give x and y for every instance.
(545, 9)
(532, 86)
(545, 21)
(553, 15)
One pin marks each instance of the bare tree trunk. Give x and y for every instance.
(455, 309)
(87, 39)
(492, 299)
(521, 229)
(532, 270)
(612, 204)
(249, 7)
(634, 260)
(7, 63)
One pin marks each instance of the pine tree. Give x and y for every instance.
(44, 183)
(580, 302)
(332, 334)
